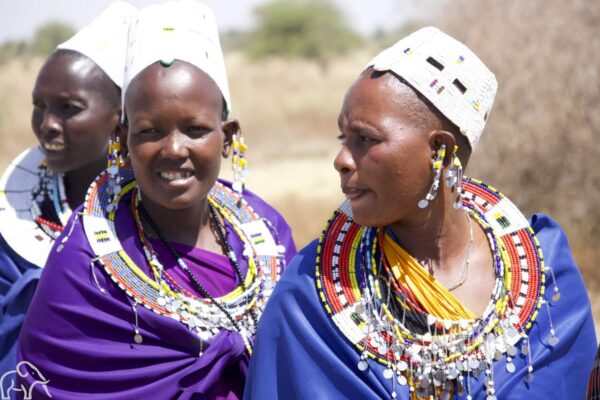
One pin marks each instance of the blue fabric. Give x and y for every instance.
(18, 280)
(300, 354)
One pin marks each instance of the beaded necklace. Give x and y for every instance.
(33, 206)
(50, 191)
(433, 357)
(235, 311)
(137, 205)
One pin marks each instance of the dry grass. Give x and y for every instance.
(540, 147)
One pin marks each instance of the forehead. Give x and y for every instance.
(375, 95)
(181, 81)
(67, 71)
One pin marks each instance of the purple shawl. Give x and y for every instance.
(81, 340)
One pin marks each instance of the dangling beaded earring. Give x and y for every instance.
(239, 164)
(437, 172)
(454, 177)
(114, 179)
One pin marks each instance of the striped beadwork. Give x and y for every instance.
(435, 357)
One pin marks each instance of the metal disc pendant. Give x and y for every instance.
(529, 378)
(553, 341)
(423, 203)
(402, 366)
(402, 380)
(363, 365)
(388, 373)
(556, 297)
(510, 367)
(138, 338)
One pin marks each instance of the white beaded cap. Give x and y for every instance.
(177, 30)
(447, 73)
(104, 40)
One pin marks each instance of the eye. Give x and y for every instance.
(196, 131)
(71, 108)
(147, 131)
(38, 103)
(341, 137)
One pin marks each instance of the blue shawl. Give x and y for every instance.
(300, 354)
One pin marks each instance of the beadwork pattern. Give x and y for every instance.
(23, 187)
(434, 357)
(265, 263)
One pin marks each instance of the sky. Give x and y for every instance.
(19, 19)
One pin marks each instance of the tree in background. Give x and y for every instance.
(49, 36)
(44, 41)
(312, 29)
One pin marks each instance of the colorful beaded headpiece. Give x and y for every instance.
(448, 74)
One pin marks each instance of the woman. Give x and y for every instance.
(424, 285)
(169, 268)
(76, 106)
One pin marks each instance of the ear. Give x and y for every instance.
(230, 127)
(438, 138)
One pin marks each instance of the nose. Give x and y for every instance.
(175, 145)
(344, 161)
(51, 125)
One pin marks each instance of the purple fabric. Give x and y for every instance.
(81, 340)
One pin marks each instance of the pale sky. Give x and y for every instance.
(20, 18)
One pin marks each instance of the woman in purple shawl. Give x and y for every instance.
(156, 286)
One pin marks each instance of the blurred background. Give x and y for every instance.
(291, 61)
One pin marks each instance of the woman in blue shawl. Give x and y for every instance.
(424, 284)
(76, 107)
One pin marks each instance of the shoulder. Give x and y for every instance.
(283, 232)
(71, 246)
(553, 241)
(259, 205)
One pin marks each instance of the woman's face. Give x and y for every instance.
(176, 137)
(75, 110)
(385, 159)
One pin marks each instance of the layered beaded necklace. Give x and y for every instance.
(50, 190)
(159, 292)
(33, 206)
(435, 358)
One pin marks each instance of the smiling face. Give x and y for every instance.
(386, 155)
(176, 136)
(75, 109)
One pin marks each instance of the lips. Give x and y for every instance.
(173, 176)
(53, 146)
(176, 177)
(353, 193)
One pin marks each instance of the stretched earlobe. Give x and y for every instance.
(440, 138)
(230, 129)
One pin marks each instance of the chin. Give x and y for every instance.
(58, 167)
(365, 217)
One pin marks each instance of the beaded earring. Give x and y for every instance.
(239, 164)
(114, 179)
(437, 172)
(454, 177)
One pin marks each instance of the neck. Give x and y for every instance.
(438, 239)
(190, 226)
(78, 181)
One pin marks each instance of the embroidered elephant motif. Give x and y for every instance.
(24, 369)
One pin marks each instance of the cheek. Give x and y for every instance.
(36, 121)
